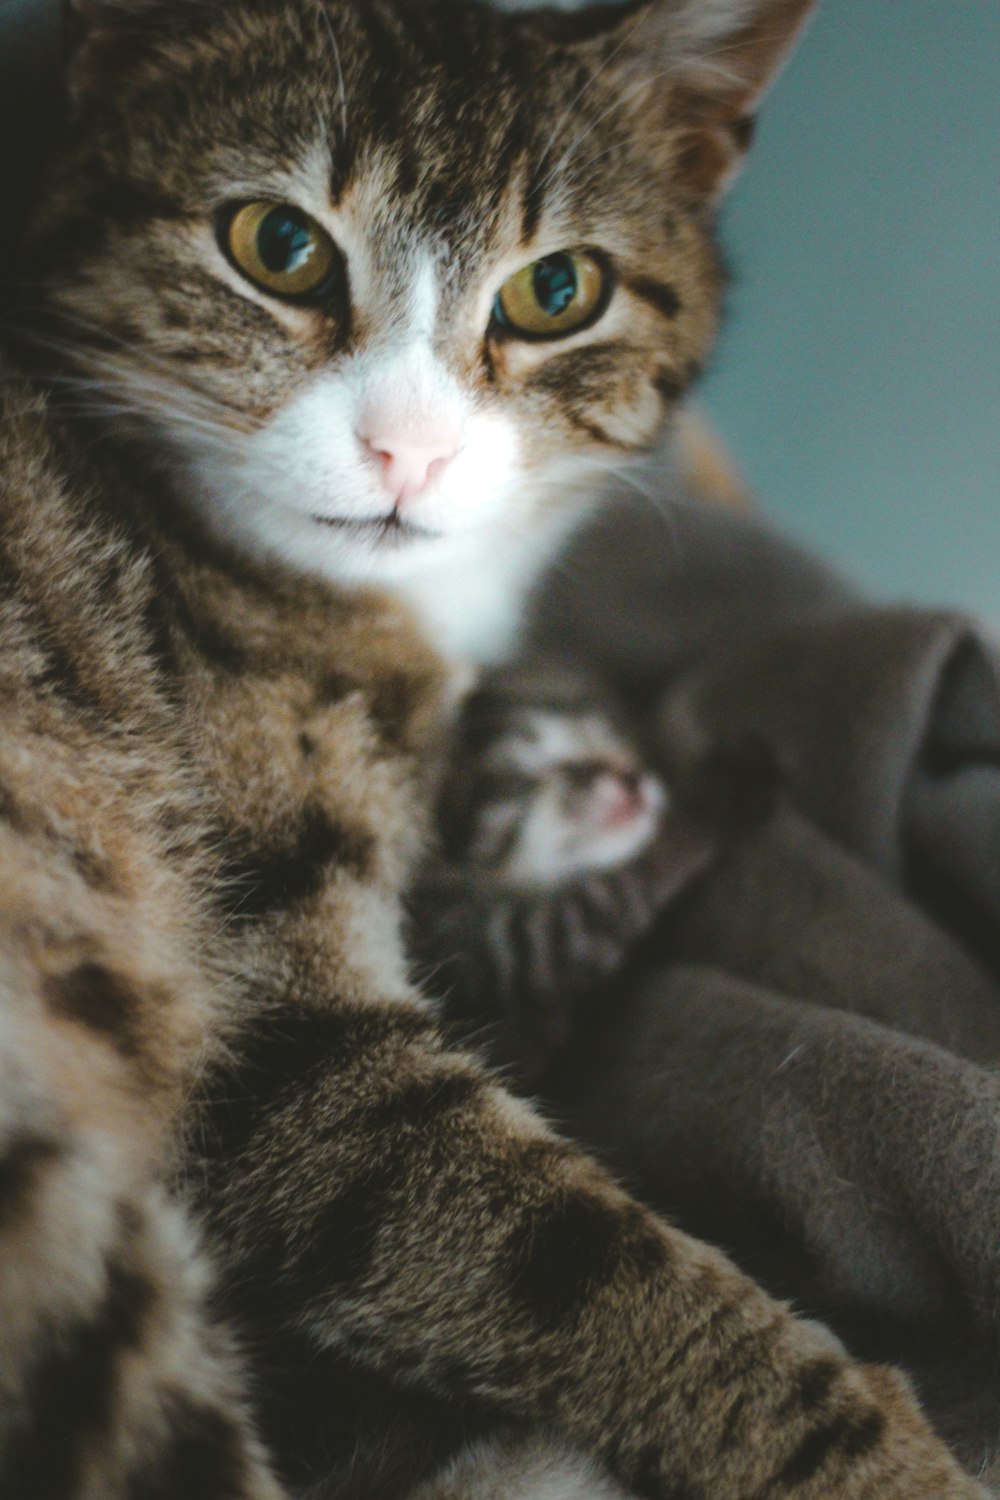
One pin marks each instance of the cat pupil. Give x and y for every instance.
(284, 242)
(555, 283)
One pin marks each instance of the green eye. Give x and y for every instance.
(553, 296)
(281, 249)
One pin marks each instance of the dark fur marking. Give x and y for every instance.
(265, 881)
(72, 1391)
(372, 1436)
(391, 703)
(24, 1161)
(848, 1434)
(575, 1250)
(157, 618)
(743, 131)
(731, 1423)
(343, 1235)
(596, 432)
(210, 640)
(647, 1481)
(120, 204)
(658, 294)
(383, 43)
(344, 1230)
(532, 203)
(694, 1337)
(96, 997)
(732, 1361)
(421, 1103)
(61, 672)
(334, 688)
(99, 873)
(408, 173)
(669, 385)
(203, 1458)
(813, 1385)
(286, 1051)
(586, 374)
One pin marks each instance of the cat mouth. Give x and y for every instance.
(392, 529)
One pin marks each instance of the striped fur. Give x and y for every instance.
(215, 775)
(518, 938)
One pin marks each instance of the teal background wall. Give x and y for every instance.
(858, 383)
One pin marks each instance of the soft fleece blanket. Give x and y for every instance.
(802, 1063)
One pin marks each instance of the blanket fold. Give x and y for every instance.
(802, 1062)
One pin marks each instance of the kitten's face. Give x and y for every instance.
(554, 792)
(386, 281)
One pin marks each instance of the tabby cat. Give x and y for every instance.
(337, 305)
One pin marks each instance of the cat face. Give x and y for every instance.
(387, 283)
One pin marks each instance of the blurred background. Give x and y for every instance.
(858, 382)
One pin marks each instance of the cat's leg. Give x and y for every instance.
(391, 1201)
(114, 1380)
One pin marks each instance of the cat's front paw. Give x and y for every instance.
(515, 1467)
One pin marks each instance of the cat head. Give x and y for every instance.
(546, 785)
(389, 283)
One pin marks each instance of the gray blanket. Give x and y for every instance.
(802, 1063)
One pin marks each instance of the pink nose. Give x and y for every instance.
(621, 797)
(407, 467)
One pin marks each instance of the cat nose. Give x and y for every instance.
(406, 467)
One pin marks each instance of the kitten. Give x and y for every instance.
(558, 849)
(338, 300)
(544, 783)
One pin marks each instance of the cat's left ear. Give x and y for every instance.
(725, 55)
(703, 66)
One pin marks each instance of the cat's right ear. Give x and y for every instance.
(99, 38)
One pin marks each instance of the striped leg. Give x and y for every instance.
(389, 1200)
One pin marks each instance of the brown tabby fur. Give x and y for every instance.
(213, 776)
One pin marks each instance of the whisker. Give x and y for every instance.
(132, 380)
(581, 94)
(328, 25)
